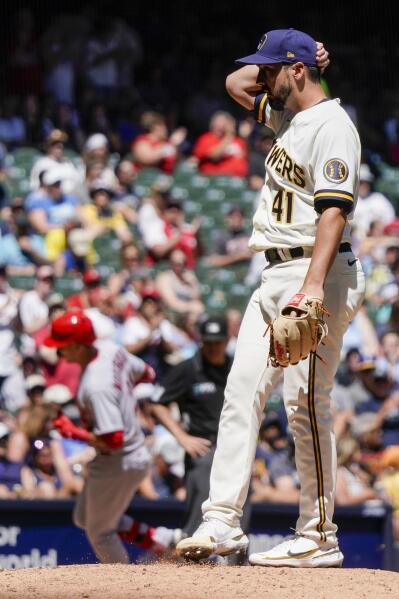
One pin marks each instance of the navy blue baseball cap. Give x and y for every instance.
(283, 46)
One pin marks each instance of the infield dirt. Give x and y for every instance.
(202, 581)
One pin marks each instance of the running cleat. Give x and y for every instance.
(300, 552)
(213, 537)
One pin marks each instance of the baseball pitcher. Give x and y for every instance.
(310, 290)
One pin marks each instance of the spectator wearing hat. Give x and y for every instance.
(101, 215)
(351, 389)
(381, 397)
(179, 287)
(371, 205)
(220, 151)
(55, 208)
(96, 164)
(366, 430)
(35, 385)
(165, 480)
(96, 150)
(148, 334)
(52, 212)
(155, 147)
(197, 387)
(91, 280)
(96, 147)
(231, 246)
(55, 158)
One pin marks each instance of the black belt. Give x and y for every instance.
(283, 255)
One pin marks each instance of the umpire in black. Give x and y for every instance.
(197, 386)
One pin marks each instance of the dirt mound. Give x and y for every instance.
(181, 581)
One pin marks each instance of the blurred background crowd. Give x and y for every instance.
(127, 184)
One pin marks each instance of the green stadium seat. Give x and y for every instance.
(25, 157)
(21, 282)
(68, 285)
(388, 183)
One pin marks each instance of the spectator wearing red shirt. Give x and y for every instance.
(155, 148)
(220, 151)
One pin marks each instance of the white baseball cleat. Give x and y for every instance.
(299, 552)
(213, 537)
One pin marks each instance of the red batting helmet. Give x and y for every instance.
(71, 327)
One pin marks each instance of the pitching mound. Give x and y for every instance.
(181, 581)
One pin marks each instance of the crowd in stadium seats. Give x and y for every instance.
(146, 231)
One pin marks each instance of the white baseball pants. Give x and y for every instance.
(307, 388)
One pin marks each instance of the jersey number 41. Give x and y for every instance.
(282, 206)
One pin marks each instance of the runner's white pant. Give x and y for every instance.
(307, 388)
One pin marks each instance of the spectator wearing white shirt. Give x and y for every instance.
(151, 223)
(33, 308)
(12, 393)
(148, 334)
(69, 174)
(371, 206)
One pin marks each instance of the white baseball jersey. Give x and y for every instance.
(314, 163)
(105, 394)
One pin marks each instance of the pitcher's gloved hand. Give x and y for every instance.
(297, 330)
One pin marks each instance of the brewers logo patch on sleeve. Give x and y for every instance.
(336, 170)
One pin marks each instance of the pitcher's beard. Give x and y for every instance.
(276, 104)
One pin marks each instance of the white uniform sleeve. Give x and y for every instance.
(265, 115)
(335, 163)
(138, 368)
(106, 412)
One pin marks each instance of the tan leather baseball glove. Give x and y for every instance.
(293, 337)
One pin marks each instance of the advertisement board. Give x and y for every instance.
(41, 533)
